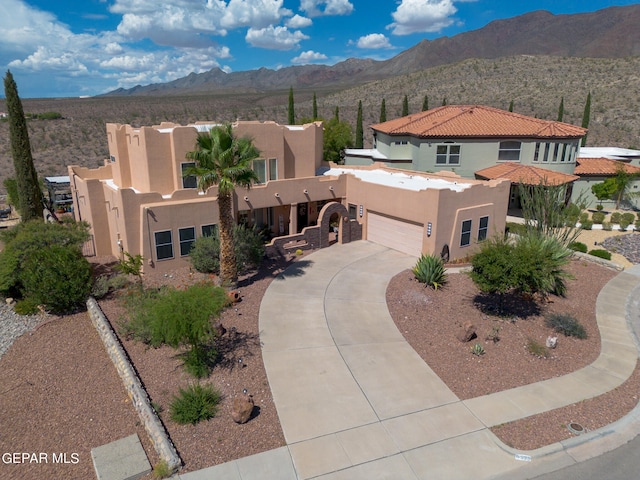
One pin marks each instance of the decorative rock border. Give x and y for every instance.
(598, 260)
(138, 395)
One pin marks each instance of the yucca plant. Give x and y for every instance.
(430, 271)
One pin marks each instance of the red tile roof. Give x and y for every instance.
(471, 121)
(525, 174)
(602, 167)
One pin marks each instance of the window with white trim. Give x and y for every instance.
(187, 237)
(483, 228)
(556, 147)
(536, 153)
(509, 151)
(164, 245)
(465, 236)
(547, 147)
(448, 154)
(188, 181)
(209, 230)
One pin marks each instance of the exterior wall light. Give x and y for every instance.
(428, 229)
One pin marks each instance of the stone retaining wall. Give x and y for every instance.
(138, 395)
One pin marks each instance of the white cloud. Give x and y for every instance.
(331, 7)
(308, 57)
(374, 40)
(44, 59)
(275, 38)
(414, 16)
(298, 21)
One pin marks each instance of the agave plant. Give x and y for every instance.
(430, 271)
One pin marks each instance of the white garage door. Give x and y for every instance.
(395, 233)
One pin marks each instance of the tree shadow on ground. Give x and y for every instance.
(277, 268)
(507, 305)
(234, 348)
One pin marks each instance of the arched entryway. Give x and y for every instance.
(334, 214)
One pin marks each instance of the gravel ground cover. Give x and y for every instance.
(61, 393)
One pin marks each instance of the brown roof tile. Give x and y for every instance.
(602, 167)
(525, 174)
(452, 121)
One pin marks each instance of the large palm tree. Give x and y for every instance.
(224, 160)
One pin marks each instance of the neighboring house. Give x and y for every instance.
(476, 141)
(596, 170)
(141, 203)
(59, 192)
(626, 155)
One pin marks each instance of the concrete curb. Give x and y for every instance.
(138, 395)
(591, 443)
(598, 260)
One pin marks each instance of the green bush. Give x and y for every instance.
(623, 225)
(628, 217)
(26, 306)
(536, 348)
(600, 253)
(586, 225)
(57, 277)
(176, 318)
(195, 404)
(584, 216)
(637, 225)
(598, 218)
(105, 284)
(26, 239)
(565, 324)
(248, 246)
(571, 214)
(615, 217)
(578, 247)
(606, 226)
(430, 271)
(516, 228)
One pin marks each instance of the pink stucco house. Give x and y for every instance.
(141, 203)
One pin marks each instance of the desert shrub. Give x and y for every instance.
(637, 225)
(57, 277)
(195, 404)
(598, 217)
(572, 214)
(248, 246)
(606, 226)
(623, 225)
(565, 324)
(430, 270)
(628, 217)
(516, 228)
(105, 284)
(536, 348)
(26, 239)
(586, 225)
(477, 349)
(176, 318)
(578, 247)
(615, 217)
(600, 253)
(161, 470)
(584, 216)
(26, 306)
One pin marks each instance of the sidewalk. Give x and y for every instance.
(356, 402)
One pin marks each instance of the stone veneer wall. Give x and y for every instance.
(158, 435)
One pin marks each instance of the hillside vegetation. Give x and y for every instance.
(535, 85)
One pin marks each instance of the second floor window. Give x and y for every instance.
(189, 181)
(448, 155)
(260, 167)
(509, 151)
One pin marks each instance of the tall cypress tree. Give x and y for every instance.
(359, 132)
(383, 112)
(444, 101)
(511, 106)
(292, 115)
(315, 107)
(336, 114)
(561, 110)
(425, 104)
(585, 117)
(29, 193)
(405, 106)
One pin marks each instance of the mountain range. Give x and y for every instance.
(609, 33)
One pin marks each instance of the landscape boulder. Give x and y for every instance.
(467, 333)
(242, 409)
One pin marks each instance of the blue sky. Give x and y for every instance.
(68, 48)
